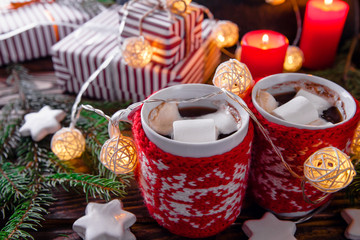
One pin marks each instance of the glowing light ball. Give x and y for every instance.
(226, 34)
(329, 170)
(136, 51)
(179, 5)
(275, 2)
(118, 154)
(234, 76)
(355, 145)
(294, 59)
(68, 143)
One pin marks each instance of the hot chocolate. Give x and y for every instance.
(225, 120)
(302, 102)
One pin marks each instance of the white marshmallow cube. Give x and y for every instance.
(162, 117)
(319, 103)
(195, 130)
(266, 101)
(224, 121)
(298, 110)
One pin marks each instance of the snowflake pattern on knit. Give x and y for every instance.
(192, 197)
(272, 185)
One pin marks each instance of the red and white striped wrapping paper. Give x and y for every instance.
(212, 52)
(172, 38)
(36, 42)
(77, 56)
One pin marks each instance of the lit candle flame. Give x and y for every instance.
(328, 2)
(265, 39)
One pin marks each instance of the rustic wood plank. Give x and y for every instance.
(71, 206)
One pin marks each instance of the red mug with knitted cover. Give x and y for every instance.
(272, 185)
(192, 189)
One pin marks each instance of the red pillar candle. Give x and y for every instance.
(263, 51)
(323, 25)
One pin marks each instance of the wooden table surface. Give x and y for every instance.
(327, 225)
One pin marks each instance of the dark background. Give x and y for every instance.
(257, 14)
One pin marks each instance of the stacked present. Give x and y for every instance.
(183, 52)
(33, 27)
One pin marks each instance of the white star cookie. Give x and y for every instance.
(105, 222)
(352, 217)
(42, 123)
(269, 228)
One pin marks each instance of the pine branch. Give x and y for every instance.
(40, 158)
(27, 215)
(58, 165)
(29, 169)
(13, 182)
(93, 186)
(9, 136)
(353, 191)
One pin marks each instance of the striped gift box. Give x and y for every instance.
(77, 56)
(36, 42)
(212, 52)
(172, 38)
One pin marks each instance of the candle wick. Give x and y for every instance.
(264, 41)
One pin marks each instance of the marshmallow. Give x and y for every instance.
(224, 121)
(195, 130)
(298, 110)
(319, 103)
(162, 117)
(266, 101)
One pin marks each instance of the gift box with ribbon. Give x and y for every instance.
(212, 51)
(26, 29)
(173, 35)
(77, 56)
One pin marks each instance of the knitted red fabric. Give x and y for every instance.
(271, 183)
(192, 197)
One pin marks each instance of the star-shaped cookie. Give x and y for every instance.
(105, 222)
(39, 124)
(270, 228)
(352, 217)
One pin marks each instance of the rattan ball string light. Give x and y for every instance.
(118, 154)
(329, 170)
(68, 143)
(355, 144)
(233, 76)
(294, 59)
(136, 51)
(225, 34)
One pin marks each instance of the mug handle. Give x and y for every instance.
(122, 115)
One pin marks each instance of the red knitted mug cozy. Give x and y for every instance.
(192, 197)
(271, 184)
